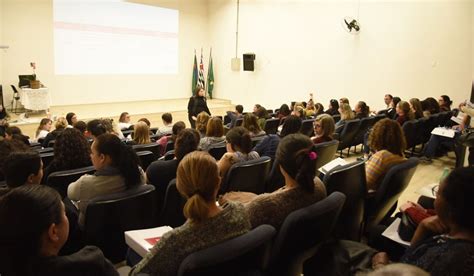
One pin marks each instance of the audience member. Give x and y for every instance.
(269, 144)
(7, 147)
(324, 128)
(207, 224)
(415, 106)
(43, 129)
(388, 100)
(404, 113)
(283, 113)
(255, 108)
(214, 135)
(387, 141)
(262, 116)
(22, 168)
(391, 111)
(430, 106)
(197, 104)
(81, 126)
(318, 109)
(3, 119)
(237, 114)
(167, 127)
(310, 108)
(146, 121)
(71, 151)
(333, 108)
(201, 123)
(251, 124)
(36, 231)
(141, 134)
(124, 121)
(444, 103)
(95, 128)
(14, 133)
(163, 141)
(71, 119)
(346, 115)
(116, 167)
(343, 101)
(361, 110)
(59, 126)
(239, 149)
(112, 127)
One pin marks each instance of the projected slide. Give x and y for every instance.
(114, 37)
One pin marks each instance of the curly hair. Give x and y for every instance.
(71, 149)
(387, 135)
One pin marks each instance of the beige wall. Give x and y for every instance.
(27, 27)
(406, 48)
(2, 42)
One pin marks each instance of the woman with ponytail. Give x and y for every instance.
(34, 228)
(207, 224)
(239, 149)
(117, 170)
(297, 158)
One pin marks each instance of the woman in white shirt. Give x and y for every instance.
(124, 121)
(43, 128)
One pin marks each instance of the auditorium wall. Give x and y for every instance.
(2, 42)
(28, 28)
(406, 48)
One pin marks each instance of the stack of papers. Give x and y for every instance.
(141, 241)
(338, 162)
(445, 132)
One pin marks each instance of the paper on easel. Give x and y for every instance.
(141, 241)
(338, 162)
(392, 233)
(445, 132)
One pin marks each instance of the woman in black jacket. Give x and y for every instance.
(196, 105)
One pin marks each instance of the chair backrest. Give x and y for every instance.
(108, 217)
(409, 129)
(45, 150)
(168, 155)
(60, 180)
(169, 146)
(382, 112)
(348, 133)
(307, 127)
(51, 144)
(275, 179)
(227, 119)
(365, 125)
(271, 125)
(239, 121)
(336, 117)
(243, 254)
(153, 147)
(146, 158)
(393, 184)
(47, 157)
(172, 211)
(379, 117)
(301, 233)
(127, 132)
(247, 176)
(218, 152)
(326, 152)
(257, 139)
(349, 180)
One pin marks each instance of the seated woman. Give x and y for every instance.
(251, 124)
(239, 149)
(59, 126)
(124, 121)
(333, 107)
(161, 172)
(361, 110)
(444, 103)
(22, 168)
(323, 129)
(117, 170)
(163, 141)
(207, 224)
(297, 161)
(262, 116)
(346, 115)
(71, 151)
(283, 112)
(15, 133)
(310, 109)
(430, 106)
(214, 135)
(404, 113)
(269, 144)
(71, 119)
(43, 129)
(415, 106)
(141, 134)
(201, 123)
(37, 229)
(7, 147)
(387, 141)
(318, 109)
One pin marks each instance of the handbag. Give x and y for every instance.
(407, 227)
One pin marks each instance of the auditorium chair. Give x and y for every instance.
(365, 125)
(247, 176)
(336, 118)
(47, 157)
(51, 144)
(302, 232)
(243, 255)
(146, 158)
(275, 179)
(217, 152)
(60, 180)
(127, 132)
(153, 147)
(379, 117)
(45, 150)
(169, 146)
(153, 130)
(307, 127)
(326, 152)
(271, 125)
(349, 180)
(239, 122)
(35, 146)
(172, 212)
(227, 119)
(347, 135)
(380, 204)
(257, 139)
(108, 217)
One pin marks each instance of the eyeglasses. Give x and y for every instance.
(316, 125)
(434, 190)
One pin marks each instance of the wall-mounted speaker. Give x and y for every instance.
(249, 60)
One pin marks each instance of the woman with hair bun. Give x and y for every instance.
(239, 149)
(297, 159)
(117, 170)
(207, 224)
(445, 103)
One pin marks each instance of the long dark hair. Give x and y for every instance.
(27, 212)
(296, 155)
(239, 139)
(291, 125)
(123, 157)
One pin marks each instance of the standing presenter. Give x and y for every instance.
(196, 105)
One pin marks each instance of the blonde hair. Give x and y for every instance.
(346, 112)
(61, 122)
(141, 133)
(197, 179)
(327, 124)
(201, 121)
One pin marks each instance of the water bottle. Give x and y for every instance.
(446, 172)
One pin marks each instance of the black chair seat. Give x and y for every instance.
(247, 176)
(172, 211)
(348, 134)
(217, 152)
(326, 152)
(307, 127)
(153, 147)
(146, 158)
(60, 180)
(271, 126)
(47, 157)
